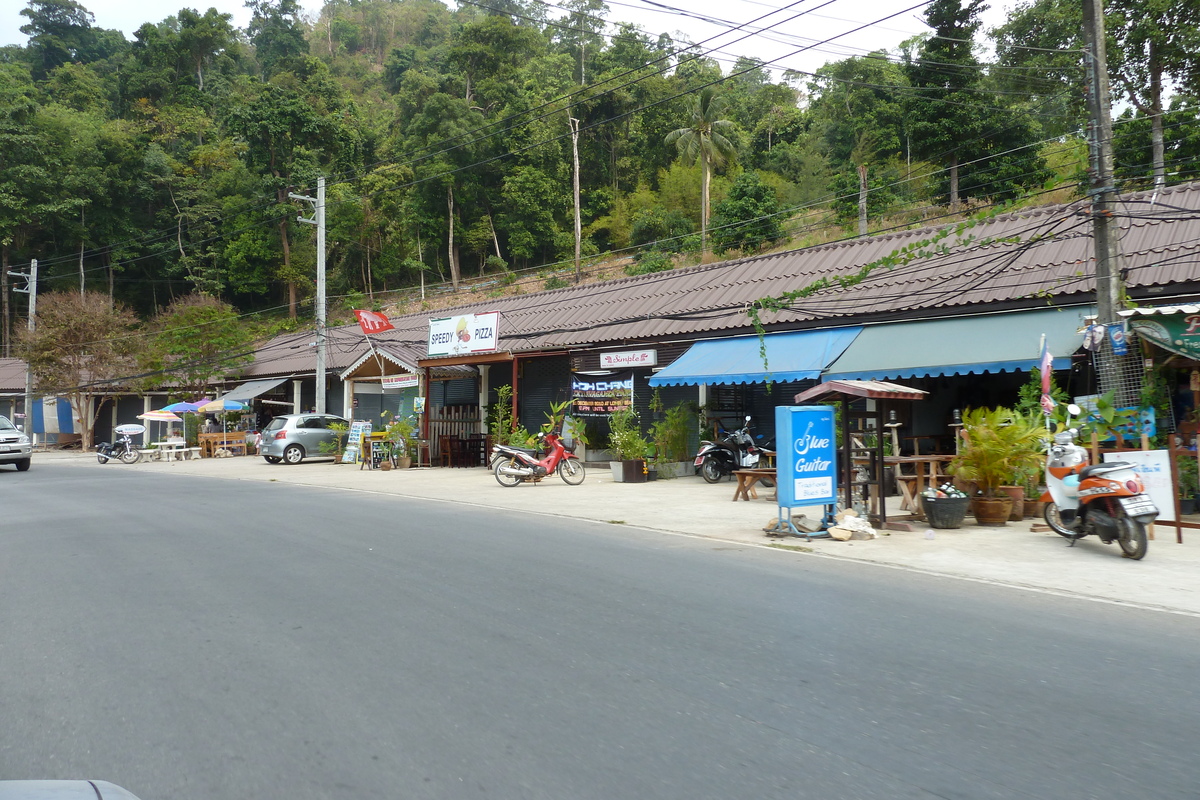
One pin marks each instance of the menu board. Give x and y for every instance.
(359, 430)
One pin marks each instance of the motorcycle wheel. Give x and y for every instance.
(767, 482)
(100, 457)
(130, 456)
(1132, 538)
(711, 470)
(1054, 520)
(501, 478)
(572, 471)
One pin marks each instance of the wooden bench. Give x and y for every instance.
(746, 479)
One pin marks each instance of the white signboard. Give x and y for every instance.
(1155, 468)
(399, 381)
(629, 358)
(463, 335)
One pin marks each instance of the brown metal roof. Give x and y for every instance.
(12, 376)
(1010, 260)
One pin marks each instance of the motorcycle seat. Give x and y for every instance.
(1100, 469)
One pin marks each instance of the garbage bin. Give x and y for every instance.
(945, 512)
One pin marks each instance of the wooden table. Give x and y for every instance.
(746, 478)
(927, 473)
(234, 441)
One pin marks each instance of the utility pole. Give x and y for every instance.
(30, 289)
(1103, 192)
(318, 219)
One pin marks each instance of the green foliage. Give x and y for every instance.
(999, 447)
(555, 416)
(336, 447)
(625, 439)
(672, 434)
(649, 261)
(195, 339)
(1029, 396)
(501, 423)
(1189, 478)
(748, 218)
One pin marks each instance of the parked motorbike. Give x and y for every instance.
(736, 450)
(124, 449)
(1108, 500)
(514, 465)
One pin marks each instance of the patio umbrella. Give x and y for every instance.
(160, 415)
(180, 408)
(222, 405)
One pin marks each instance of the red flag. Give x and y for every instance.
(373, 322)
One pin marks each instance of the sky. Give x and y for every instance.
(797, 38)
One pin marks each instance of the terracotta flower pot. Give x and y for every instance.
(1017, 493)
(991, 512)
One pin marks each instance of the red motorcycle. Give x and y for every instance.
(513, 465)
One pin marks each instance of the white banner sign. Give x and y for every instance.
(399, 381)
(629, 358)
(470, 333)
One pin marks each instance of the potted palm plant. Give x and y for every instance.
(672, 445)
(998, 446)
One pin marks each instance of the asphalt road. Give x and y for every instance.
(195, 638)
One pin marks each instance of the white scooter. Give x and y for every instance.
(1106, 499)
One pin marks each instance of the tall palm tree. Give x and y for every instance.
(704, 138)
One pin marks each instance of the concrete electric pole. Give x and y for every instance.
(30, 289)
(1103, 190)
(318, 219)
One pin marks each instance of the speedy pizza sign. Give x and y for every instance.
(463, 335)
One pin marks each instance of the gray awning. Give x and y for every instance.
(251, 389)
(959, 346)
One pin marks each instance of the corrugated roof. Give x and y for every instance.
(1011, 259)
(12, 376)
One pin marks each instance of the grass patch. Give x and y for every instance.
(616, 522)
(793, 547)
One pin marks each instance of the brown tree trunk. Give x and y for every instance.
(862, 199)
(451, 251)
(281, 195)
(5, 318)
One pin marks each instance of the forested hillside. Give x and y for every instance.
(158, 168)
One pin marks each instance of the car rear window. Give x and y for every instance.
(275, 424)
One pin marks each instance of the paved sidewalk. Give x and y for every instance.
(1167, 579)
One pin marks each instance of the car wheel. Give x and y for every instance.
(23, 465)
(272, 459)
(294, 454)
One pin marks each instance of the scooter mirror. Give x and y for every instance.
(1074, 410)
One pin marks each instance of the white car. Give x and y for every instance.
(15, 447)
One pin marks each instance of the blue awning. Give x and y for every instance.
(961, 346)
(796, 356)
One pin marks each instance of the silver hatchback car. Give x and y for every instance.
(15, 448)
(295, 437)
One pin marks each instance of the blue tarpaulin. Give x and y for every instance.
(794, 356)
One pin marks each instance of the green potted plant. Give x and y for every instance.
(398, 433)
(338, 446)
(672, 440)
(998, 445)
(628, 447)
(1189, 483)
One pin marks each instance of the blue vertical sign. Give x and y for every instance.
(806, 459)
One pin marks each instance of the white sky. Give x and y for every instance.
(789, 35)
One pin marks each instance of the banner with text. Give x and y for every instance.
(459, 336)
(599, 398)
